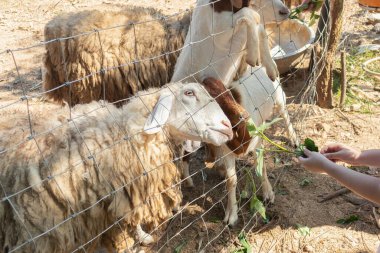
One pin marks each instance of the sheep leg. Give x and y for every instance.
(281, 107)
(231, 216)
(188, 181)
(266, 58)
(143, 237)
(268, 194)
(186, 174)
(251, 20)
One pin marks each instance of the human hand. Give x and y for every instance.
(314, 162)
(339, 152)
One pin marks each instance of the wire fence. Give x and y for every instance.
(53, 190)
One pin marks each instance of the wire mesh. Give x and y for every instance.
(54, 192)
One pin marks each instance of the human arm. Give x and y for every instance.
(341, 152)
(364, 185)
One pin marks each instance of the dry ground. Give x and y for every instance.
(21, 25)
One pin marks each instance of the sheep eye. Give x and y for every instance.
(189, 93)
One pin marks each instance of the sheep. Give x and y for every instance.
(67, 177)
(219, 33)
(258, 97)
(103, 62)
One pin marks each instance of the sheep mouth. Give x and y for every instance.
(224, 131)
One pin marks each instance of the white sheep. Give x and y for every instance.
(65, 180)
(221, 33)
(215, 48)
(254, 96)
(262, 98)
(134, 34)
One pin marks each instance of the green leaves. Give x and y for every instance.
(305, 182)
(245, 245)
(348, 220)
(265, 125)
(260, 161)
(309, 144)
(257, 206)
(178, 249)
(258, 130)
(295, 13)
(251, 127)
(303, 230)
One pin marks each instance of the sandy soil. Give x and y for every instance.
(199, 225)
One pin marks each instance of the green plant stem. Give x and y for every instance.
(263, 136)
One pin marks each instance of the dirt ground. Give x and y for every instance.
(298, 192)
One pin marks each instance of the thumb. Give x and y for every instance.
(301, 160)
(307, 152)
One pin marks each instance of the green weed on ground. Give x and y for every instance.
(356, 78)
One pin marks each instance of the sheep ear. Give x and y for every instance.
(237, 3)
(160, 114)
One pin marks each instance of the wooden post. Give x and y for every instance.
(343, 83)
(324, 97)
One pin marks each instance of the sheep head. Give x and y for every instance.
(271, 10)
(229, 102)
(188, 112)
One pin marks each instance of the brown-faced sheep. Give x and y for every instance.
(67, 177)
(138, 34)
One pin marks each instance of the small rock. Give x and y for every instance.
(373, 18)
(355, 107)
(376, 28)
(308, 248)
(322, 127)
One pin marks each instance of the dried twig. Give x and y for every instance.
(354, 126)
(359, 201)
(343, 84)
(334, 194)
(377, 217)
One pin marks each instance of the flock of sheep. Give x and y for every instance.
(92, 172)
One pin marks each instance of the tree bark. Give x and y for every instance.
(324, 87)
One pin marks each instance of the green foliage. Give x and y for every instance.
(266, 126)
(245, 245)
(179, 248)
(309, 144)
(348, 220)
(295, 13)
(355, 75)
(305, 182)
(260, 161)
(303, 230)
(257, 206)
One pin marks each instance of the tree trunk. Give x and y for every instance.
(324, 87)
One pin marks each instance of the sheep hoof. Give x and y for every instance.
(146, 240)
(143, 237)
(189, 183)
(268, 195)
(231, 218)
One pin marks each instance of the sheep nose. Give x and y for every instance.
(226, 123)
(284, 11)
(227, 131)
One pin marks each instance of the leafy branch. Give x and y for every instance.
(295, 13)
(258, 131)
